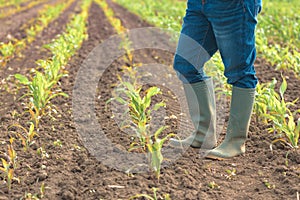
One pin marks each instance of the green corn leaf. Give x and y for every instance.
(152, 91)
(291, 123)
(297, 131)
(159, 105)
(167, 137)
(129, 86)
(158, 132)
(156, 158)
(136, 105)
(283, 87)
(31, 129)
(120, 100)
(5, 164)
(22, 79)
(149, 94)
(55, 95)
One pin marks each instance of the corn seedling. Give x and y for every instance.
(42, 190)
(125, 43)
(7, 51)
(36, 196)
(138, 106)
(213, 185)
(9, 165)
(139, 109)
(29, 196)
(42, 153)
(39, 92)
(154, 148)
(268, 184)
(272, 107)
(27, 136)
(52, 69)
(230, 173)
(146, 196)
(57, 143)
(41, 85)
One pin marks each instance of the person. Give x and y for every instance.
(227, 26)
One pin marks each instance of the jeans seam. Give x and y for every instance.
(244, 28)
(202, 46)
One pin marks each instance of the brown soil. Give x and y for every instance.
(72, 172)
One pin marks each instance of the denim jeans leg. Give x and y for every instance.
(234, 25)
(196, 44)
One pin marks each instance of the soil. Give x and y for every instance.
(74, 171)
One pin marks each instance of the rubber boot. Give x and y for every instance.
(237, 131)
(202, 108)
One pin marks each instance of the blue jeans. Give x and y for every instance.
(224, 25)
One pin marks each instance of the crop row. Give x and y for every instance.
(10, 11)
(46, 16)
(13, 3)
(128, 92)
(41, 87)
(278, 38)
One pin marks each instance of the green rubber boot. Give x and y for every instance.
(202, 108)
(237, 131)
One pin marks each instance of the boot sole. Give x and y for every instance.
(211, 157)
(216, 158)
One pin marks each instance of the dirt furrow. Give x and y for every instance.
(72, 173)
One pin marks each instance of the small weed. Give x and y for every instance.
(268, 184)
(213, 185)
(230, 173)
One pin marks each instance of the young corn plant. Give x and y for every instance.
(9, 165)
(27, 136)
(7, 52)
(273, 108)
(154, 147)
(139, 109)
(138, 106)
(40, 94)
(52, 69)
